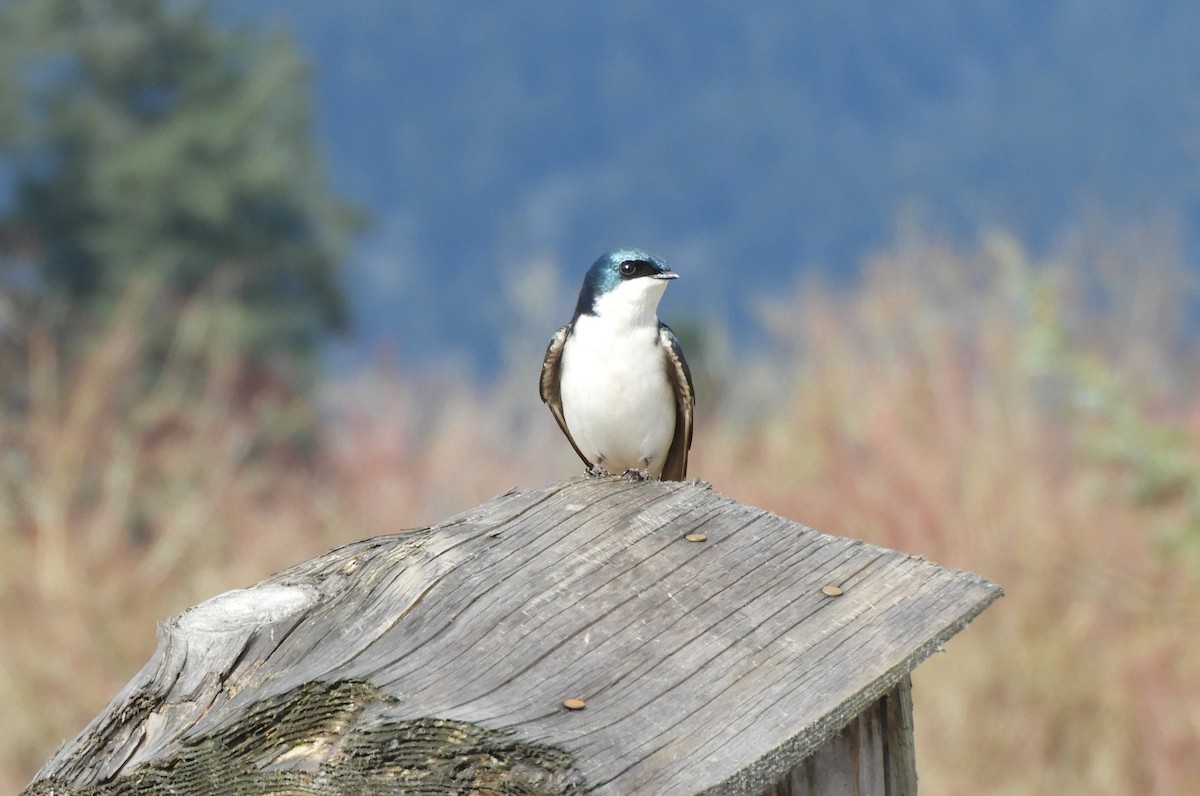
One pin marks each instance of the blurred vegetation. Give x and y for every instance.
(1154, 462)
(142, 138)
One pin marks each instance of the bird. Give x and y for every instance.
(615, 377)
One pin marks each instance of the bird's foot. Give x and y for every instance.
(598, 470)
(636, 474)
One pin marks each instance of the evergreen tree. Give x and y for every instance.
(144, 139)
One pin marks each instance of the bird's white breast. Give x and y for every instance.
(617, 401)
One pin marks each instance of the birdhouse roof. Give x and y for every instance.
(659, 636)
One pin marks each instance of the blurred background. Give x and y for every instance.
(279, 275)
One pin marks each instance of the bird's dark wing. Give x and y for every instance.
(680, 377)
(548, 386)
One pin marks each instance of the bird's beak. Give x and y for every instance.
(666, 275)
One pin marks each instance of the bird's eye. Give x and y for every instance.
(627, 268)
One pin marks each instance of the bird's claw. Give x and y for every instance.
(636, 474)
(598, 470)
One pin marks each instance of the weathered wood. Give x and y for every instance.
(901, 752)
(870, 756)
(438, 660)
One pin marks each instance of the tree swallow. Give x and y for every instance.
(615, 377)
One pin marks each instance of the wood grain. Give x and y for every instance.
(714, 666)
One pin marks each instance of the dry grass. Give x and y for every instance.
(1012, 419)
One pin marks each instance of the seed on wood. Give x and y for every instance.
(696, 537)
(831, 591)
(574, 704)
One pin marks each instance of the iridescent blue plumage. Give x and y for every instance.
(605, 274)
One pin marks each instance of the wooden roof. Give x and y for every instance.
(703, 665)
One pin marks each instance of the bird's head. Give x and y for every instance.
(624, 284)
